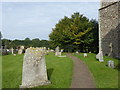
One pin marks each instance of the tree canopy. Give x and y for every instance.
(26, 42)
(75, 33)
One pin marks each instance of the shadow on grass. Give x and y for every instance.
(49, 73)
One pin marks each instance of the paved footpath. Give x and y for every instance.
(82, 78)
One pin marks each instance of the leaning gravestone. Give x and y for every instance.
(34, 68)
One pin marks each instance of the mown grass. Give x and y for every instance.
(104, 76)
(59, 71)
(11, 71)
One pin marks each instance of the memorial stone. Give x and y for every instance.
(85, 54)
(12, 50)
(97, 56)
(34, 68)
(101, 57)
(111, 64)
(20, 51)
(76, 52)
(57, 52)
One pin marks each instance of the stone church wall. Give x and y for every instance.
(109, 20)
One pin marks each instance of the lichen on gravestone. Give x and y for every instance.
(34, 68)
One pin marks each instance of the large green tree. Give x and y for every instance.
(74, 33)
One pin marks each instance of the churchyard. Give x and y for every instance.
(60, 71)
(80, 53)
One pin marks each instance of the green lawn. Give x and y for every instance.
(59, 71)
(104, 76)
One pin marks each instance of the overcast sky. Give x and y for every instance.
(36, 19)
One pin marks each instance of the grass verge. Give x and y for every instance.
(104, 76)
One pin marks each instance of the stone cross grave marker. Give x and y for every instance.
(34, 68)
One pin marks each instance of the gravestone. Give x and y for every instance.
(34, 68)
(20, 51)
(57, 52)
(97, 56)
(76, 52)
(62, 50)
(101, 57)
(85, 54)
(21, 47)
(44, 48)
(14, 54)
(51, 50)
(8, 50)
(12, 50)
(111, 64)
(48, 49)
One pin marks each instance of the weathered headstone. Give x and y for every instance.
(101, 57)
(20, 51)
(62, 50)
(12, 50)
(44, 48)
(85, 54)
(34, 68)
(111, 64)
(7, 50)
(57, 52)
(14, 54)
(97, 56)
(51, 50)
(21, 47)
(76, 52)
(89, 52)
